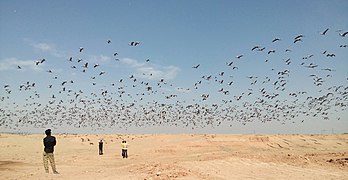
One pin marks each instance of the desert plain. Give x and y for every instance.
(178, 156)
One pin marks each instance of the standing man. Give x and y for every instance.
(101, 147)
(124, 149)
(49, 143)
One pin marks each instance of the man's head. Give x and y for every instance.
(48, 132)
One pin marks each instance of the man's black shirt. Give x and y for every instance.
(49, 143)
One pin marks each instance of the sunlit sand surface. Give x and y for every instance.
(179, 156)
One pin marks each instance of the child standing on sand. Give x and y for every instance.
(124, 149)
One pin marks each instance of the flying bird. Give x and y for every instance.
(275, 40)
(323, 33)
(330, 55)
(261, 49)
(297, 40)
(255, 47)
(299, 36)
(271, 51)
(196, 66)
(239, 56)
(343, 34)
(327, 69)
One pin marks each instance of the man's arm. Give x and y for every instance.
(54, 142)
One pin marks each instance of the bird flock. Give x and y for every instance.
(212, 100)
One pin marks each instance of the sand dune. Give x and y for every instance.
(181, 156)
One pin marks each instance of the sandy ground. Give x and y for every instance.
(182, 156)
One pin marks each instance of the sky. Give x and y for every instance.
(192, 69)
